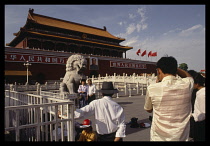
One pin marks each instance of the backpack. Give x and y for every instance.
(134, 123)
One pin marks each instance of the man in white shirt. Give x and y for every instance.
(170, 101)
(91, 91)
(109, 115)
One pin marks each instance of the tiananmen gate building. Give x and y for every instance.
(47, 43)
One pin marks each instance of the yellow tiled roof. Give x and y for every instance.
(49, 21)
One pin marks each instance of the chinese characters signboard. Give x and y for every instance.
(127, 65)
(35, 58)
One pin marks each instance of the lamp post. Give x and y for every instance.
(27, 64)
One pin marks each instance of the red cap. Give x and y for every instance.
(86, 123)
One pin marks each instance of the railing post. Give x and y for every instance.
(46, 86)
(11, 87)
(56, 124)
(142, 89)
(137, 88)
(17, 130)
(134, 75)
(129, 89)
(37, 113)
(38, 89)
(72, 122)
(118, 91)
(125, 86)
(93, 78)
(26, 86)
(114, 77)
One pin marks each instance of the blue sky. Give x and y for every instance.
(175, 30)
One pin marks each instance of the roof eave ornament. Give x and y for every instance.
(31, 10)
(30, 15)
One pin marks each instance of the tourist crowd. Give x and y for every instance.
(176, 101)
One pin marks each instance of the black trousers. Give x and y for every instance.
(199, 131)
(91, 98)
(107, 137)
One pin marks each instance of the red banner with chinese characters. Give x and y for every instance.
(35, 58)
(127, 65)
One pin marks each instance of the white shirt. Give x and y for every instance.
(170, 100)
(91, 89)
(199, 106)
(83, 88)
(109, 116)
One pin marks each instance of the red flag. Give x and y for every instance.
(144, 53)
(139, 51)
(150, 53)
(154, 54)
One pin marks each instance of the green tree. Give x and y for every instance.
(183, 66)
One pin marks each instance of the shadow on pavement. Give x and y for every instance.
(133, 130)
(124, 103)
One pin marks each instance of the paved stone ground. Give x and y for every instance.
(133, 107)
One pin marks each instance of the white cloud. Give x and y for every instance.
(130, 28)
(186, 45)
(141, 12)
(190, 49)
(144, 26)
(140, 27)
(131, 16)
(170, 32)
(191, 30)
(130, 42)
(120, 23)
(138, 24)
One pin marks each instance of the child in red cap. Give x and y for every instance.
(87, 134)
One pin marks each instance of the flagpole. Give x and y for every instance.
(140, 52)
(156, 56)
(151, 57)
(146, 55)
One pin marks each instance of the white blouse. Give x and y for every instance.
(199, 106)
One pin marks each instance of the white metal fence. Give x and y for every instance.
(27, 87)
(143, 79)
(125, 89)
(30, 117)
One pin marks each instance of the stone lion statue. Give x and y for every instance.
(75, 66)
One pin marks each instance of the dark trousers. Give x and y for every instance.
(107, 137)
(82, 100)
(91, 98)
(192, 125)
(199, 131)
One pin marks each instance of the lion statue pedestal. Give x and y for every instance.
(75, 66)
